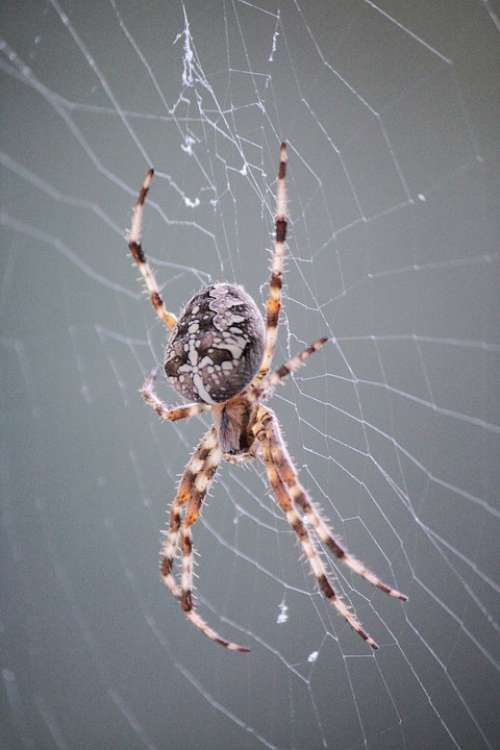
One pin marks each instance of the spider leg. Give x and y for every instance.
(193, 487)
(271, 381)
(183, 494)
(300, 497)
(162, 410)
(135, 247)
(266, 440)
(187, 604)
(273, 305)
(294, 363)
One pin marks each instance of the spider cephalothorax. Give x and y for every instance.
(218, 355)
(216, 347)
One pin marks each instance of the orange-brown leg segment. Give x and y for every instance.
(162, 410)
(293, 364)
(193, 487)
(184, 493)
(258, 392)
(285, 502)
(301, 499)
(135, 247)
(273, 305)
(187, 603)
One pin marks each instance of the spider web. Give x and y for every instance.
(390, 112)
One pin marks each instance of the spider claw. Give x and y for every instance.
(150, 379)
(398, 595)
(193, 616)
(230, 646)
(148, 179)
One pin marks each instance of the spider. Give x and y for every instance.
(218, 356)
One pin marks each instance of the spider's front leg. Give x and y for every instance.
(135, 247)
(273, 305)
(193, 487)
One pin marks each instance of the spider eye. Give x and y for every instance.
(217, 345)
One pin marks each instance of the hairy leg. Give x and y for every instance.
(184, 493)
(135, 247)
(162, 410)
(192, 490)
(273, 305)
(297, 524)
(289, 475)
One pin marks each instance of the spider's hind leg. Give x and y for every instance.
(193, 487)
(267, 443)
(301, 499)
(183, 494)
(186, 598)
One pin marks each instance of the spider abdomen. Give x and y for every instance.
(216, 346)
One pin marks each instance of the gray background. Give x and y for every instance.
(391, 112)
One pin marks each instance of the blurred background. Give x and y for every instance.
(391, 113)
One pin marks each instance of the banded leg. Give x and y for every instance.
(184, 493)
(135, 247)
(300, 498)
(293, 364)
(162, 410)
(259, 392)
(199, 489)
(192, 515)
(273, 305)
(295, 521)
